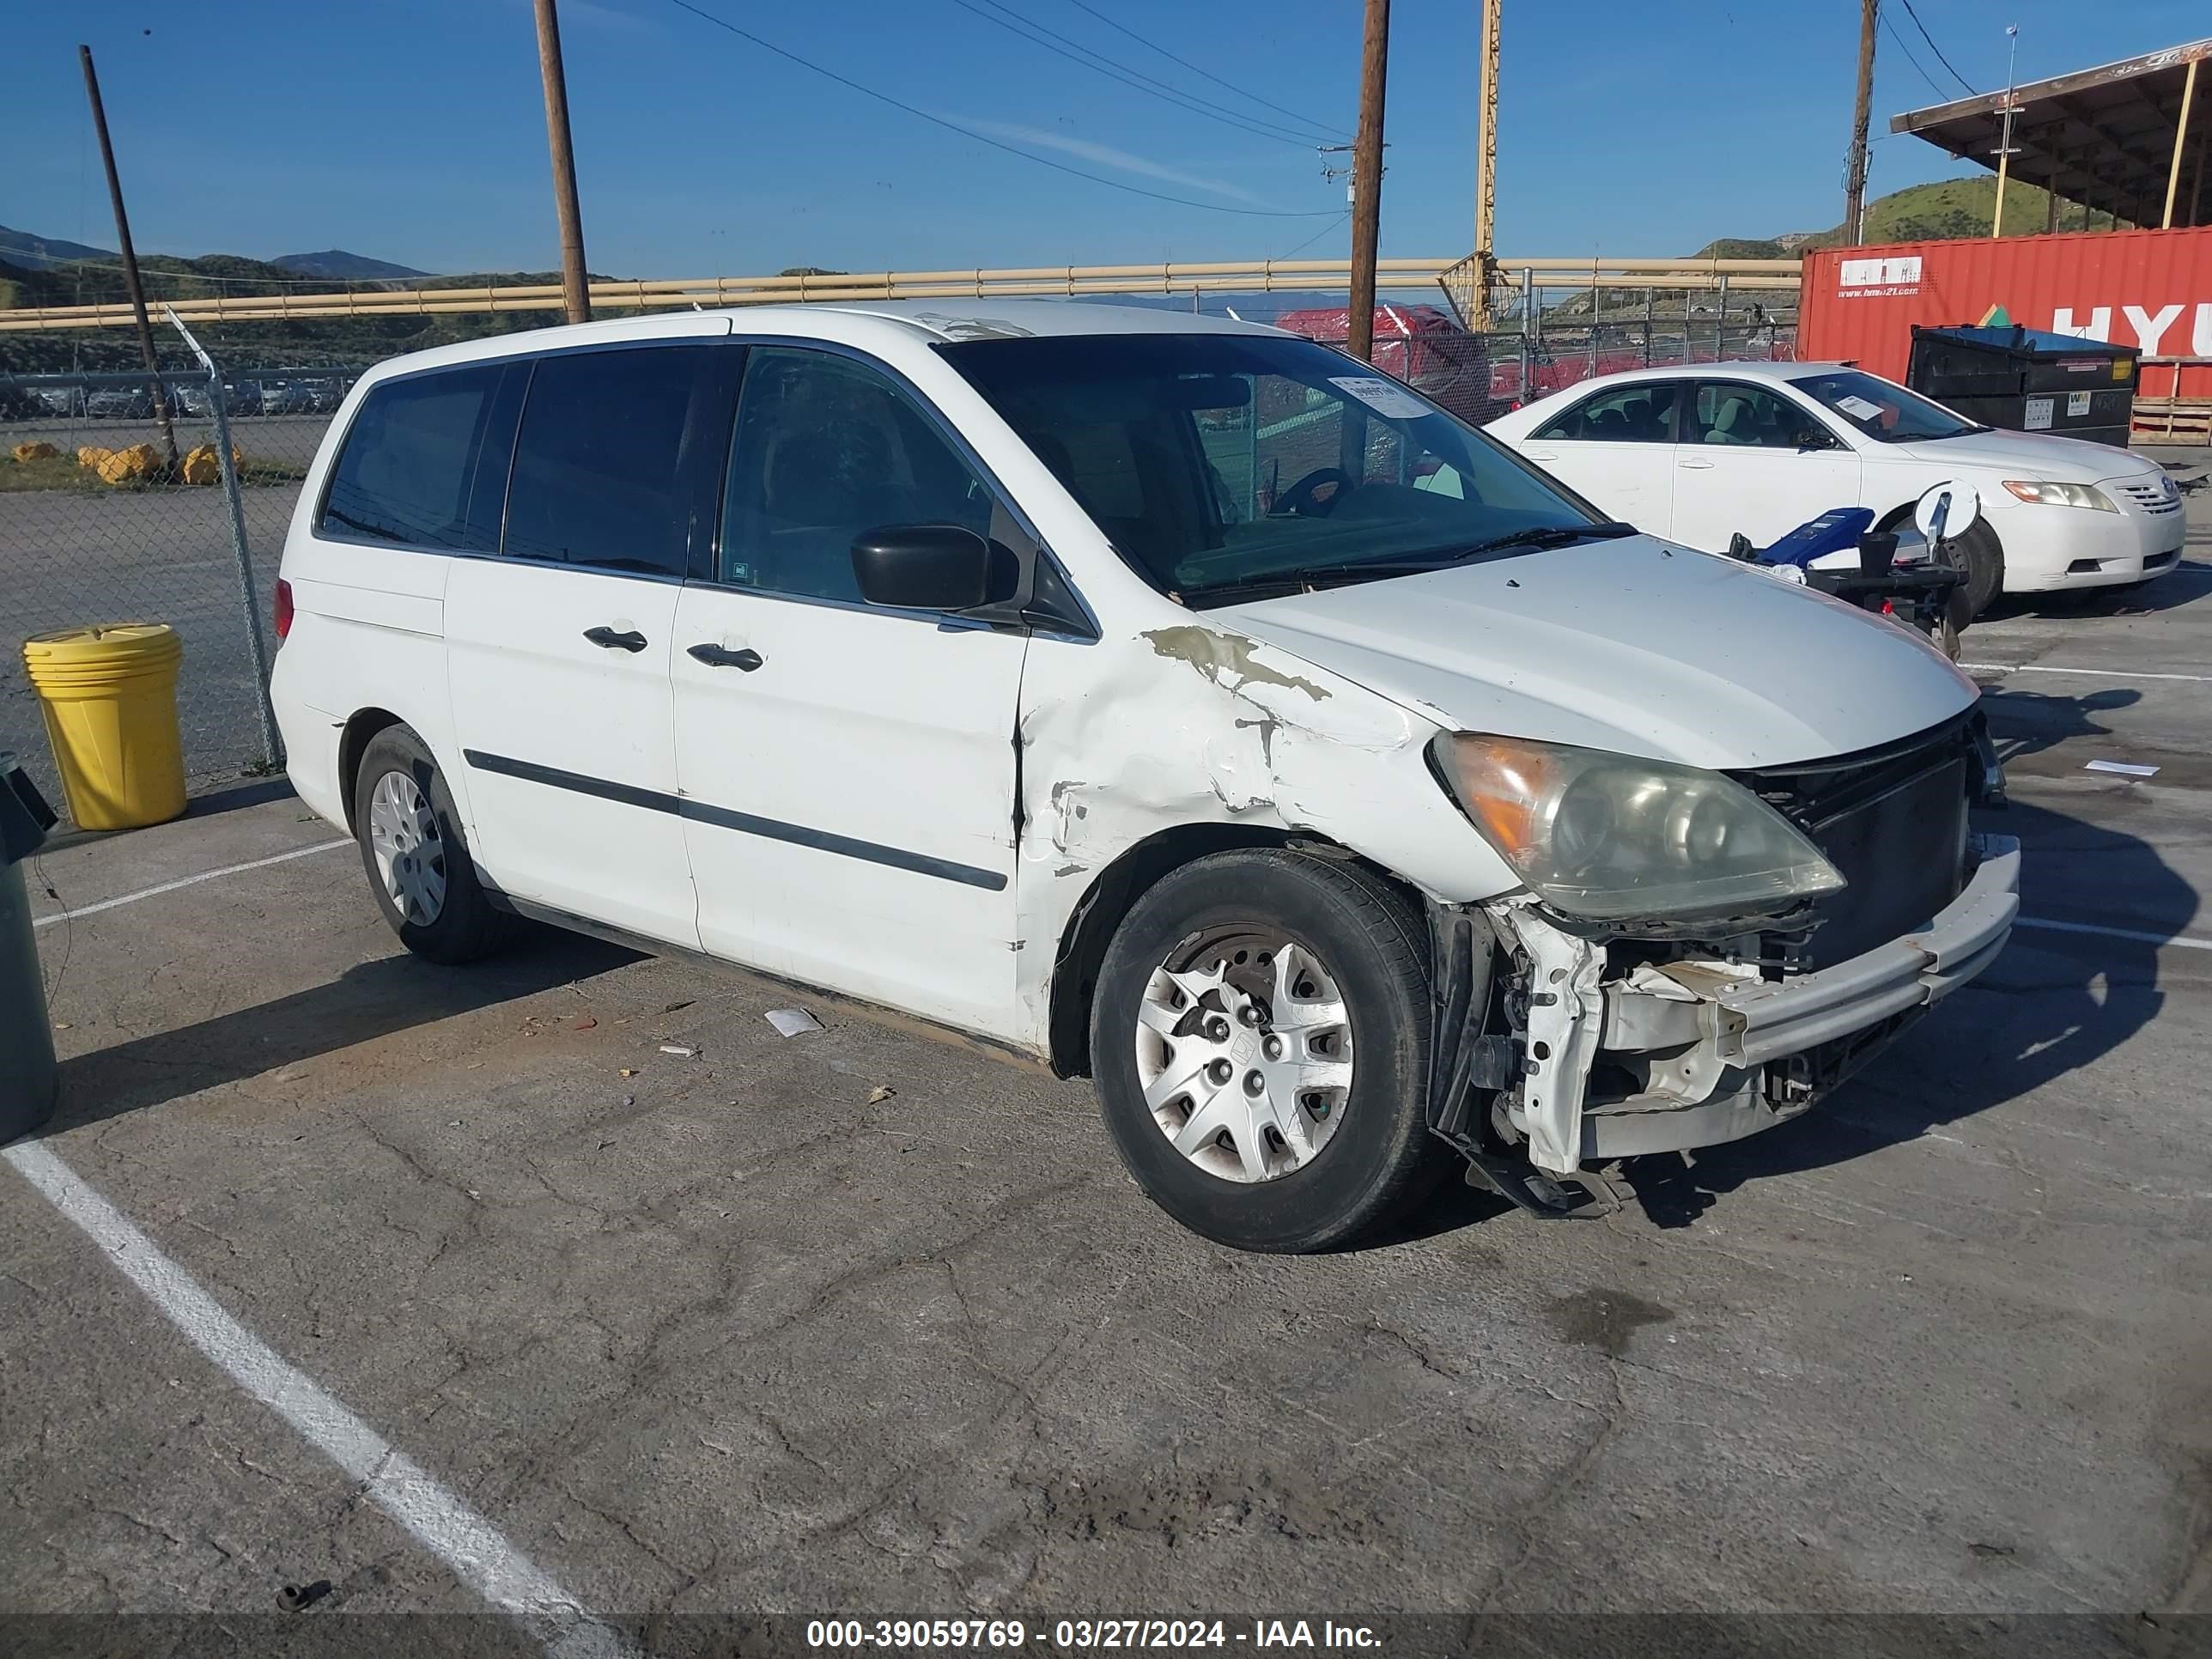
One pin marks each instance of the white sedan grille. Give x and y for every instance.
(2154, 495)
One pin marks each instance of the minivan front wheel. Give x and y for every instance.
(416, 856)
(1260, 1040)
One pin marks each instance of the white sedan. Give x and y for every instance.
(1700, 452)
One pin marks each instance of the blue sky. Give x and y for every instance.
(411, 130)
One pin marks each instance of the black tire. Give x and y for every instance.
(1380, 1159)
(465, 926)
(1982, 555)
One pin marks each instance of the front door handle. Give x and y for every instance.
(1695, 466)
(715, 657)
(609, 640)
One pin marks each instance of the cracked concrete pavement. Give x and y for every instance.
(721, 1332)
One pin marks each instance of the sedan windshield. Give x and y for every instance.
(1229, 465)
(1882, 410)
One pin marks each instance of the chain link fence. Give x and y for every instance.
(1544, 337)
(85, 538)
(115, 507)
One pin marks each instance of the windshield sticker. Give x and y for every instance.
(1385, 398)
(1859, 409)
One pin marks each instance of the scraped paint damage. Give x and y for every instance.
(1254, 735)
(1217, 656)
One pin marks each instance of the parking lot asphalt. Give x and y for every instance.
(863, 1322)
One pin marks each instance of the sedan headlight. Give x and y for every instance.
(2061, 495)
(1609, 836)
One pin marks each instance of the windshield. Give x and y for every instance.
(1218, 463)
(1882, 410)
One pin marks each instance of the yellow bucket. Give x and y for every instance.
(109, 694)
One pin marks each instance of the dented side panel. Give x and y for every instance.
(1182, 722)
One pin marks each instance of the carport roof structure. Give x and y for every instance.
(2119, 138)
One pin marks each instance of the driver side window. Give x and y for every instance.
(825, 449)
(1732, 413)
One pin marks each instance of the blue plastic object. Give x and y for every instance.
(1833, 531)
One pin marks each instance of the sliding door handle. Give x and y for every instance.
(607, 639)
(715, 657)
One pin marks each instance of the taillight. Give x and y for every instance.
(284, 607)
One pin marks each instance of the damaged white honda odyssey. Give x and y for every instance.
(1172, 700)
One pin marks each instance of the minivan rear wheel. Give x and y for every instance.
(415, 855)
(1259, 1042)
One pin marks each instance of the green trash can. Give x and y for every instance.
(30, 1086)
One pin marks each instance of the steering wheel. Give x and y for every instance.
(1299, 497)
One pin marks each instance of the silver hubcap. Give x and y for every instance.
(410, 853)
(1244, 1055)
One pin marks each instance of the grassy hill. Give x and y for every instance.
(1741, 247)
(1946, 210)
(336, 262)
(27, 251)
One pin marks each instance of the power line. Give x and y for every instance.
(980, 138)
(1099, 63)
(1970, 87)
(1934, 86)
(1317, 236)
(1194, 69)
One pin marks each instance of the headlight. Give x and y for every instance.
(1610, 836)
(2061, 495)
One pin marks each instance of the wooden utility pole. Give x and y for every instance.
(1855, 168)
(1367, 180)
(1486, 165)
(129, 260)
(575, 291)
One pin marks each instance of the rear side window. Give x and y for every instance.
(1629, 415)
(424, 463)
(603, 474)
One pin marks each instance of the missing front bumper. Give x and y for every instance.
(1703, 1040)
(1710, 1052)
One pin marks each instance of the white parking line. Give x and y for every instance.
(2090, 673)
(2175, 940)
(187, 881)
(468, 1544)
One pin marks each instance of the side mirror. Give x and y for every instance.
(1814, 437)
(923, 567)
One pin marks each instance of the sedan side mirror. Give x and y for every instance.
(1814, 438)
(923, 567)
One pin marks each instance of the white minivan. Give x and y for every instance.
(1172, 700)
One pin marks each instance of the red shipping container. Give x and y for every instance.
(2151, 288)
